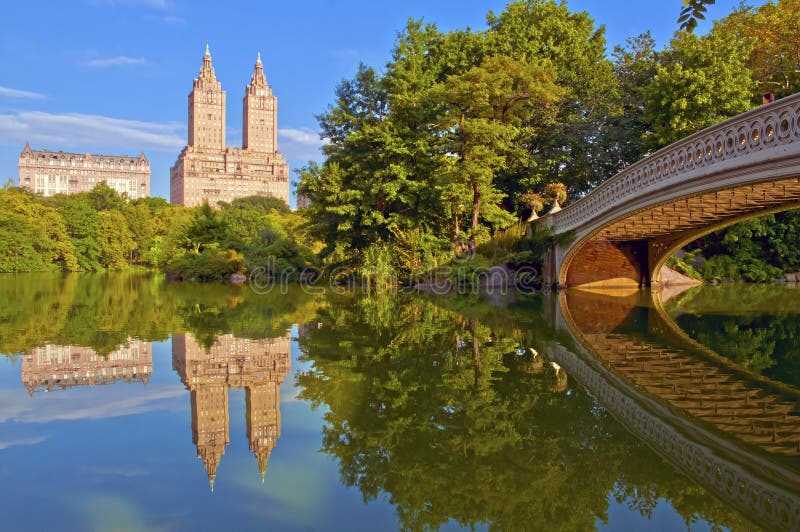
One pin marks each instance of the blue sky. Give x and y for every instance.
(112, 76)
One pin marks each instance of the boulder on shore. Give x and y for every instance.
(238, 278)
(792, 277)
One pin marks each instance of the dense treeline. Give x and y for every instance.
(757, 250)
(462, 133)
(101, 231)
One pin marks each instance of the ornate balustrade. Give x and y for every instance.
(770, 131)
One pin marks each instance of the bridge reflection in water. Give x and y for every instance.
(734, 432)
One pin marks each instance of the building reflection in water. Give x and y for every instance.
(258, 366)
(50, 367)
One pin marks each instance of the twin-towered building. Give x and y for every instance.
(259, 366)
(206, 169)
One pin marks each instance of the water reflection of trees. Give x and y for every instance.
(756, 326)
(458, 421)
(103, 311)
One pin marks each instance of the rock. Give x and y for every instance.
(670, 277)
(238, 278)
(792, 277)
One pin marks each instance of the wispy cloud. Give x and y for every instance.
(125, 472)
(172, 19)
(88, 132)
(6, 92)
(120, 60)
(11, 442)
(89, 403)
(153, 4)
(299, 143)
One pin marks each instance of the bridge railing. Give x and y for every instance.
(769, 127)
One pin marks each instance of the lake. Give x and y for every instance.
(130, 403)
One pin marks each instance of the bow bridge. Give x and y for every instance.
(734, 432)
(623, 232)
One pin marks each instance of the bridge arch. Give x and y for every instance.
(622, 233)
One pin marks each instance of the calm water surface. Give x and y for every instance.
(130, 403)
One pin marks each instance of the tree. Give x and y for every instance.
(691, 12)
(482, 113)
(699, 82)
(563, 143)
(104, 198)
(771, 44)
(83, 227)
(116, 241)
(206, 228)
(436, 150)
(34, 236)
(626, 132)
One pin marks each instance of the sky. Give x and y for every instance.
(113, 76)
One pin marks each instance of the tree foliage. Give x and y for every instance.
(437, 149)
(103, 231)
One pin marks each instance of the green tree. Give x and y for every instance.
(626, 132)
(116, 241)
(771, 44)
(691, 12)
(564, 144)
(205, 229)
(482, 113)
(83, 227)
(104, 198)
(33, 237)
(699, 82)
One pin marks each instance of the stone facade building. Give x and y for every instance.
(56, 172)
(207, 170)
(258, 366)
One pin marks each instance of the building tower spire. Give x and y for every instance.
(207, 109)
(259, 131)
(207, 73)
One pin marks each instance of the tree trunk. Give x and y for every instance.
(476, 353)
(476, 211)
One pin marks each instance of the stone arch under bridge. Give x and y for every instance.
(623, 232)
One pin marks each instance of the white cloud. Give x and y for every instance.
(11, 442)
(16, 93)
(299, 143)
(89, 403)
(120, 60)
(88, 132)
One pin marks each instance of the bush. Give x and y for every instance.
(211, 264)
